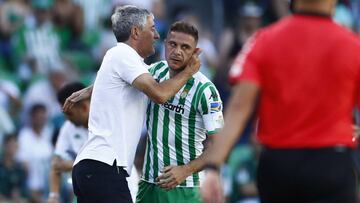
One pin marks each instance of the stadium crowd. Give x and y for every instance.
(45, 44)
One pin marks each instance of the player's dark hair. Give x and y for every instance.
(184, 27)
(67, 90)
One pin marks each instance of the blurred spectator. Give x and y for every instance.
(343, 16)
(94, 11)
(68, 20)
(107, 40)
(140, 3)
(355, 10)
(209, 53)
(10, 103)
(44, 92)
(37, 46)
(35, 150)
(161, 25)
(12, 174)
(12, 17)
(10, 97)
(243, 162)
(232, 40)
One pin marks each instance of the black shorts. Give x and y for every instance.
(97, 182)
(325, 175)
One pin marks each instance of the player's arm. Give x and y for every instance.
(238, 112)
(161, 92)
(175, 175)
(210, 106)
(54, 184)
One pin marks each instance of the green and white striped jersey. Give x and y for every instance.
(177, 128)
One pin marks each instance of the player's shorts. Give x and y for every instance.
(151, 193)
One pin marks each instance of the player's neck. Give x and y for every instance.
(172, 73)
(319, 7)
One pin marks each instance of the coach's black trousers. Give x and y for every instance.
(325, 175)
(97, 182)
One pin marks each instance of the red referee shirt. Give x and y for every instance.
(308, 71)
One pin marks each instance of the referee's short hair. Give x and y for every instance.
(184, 27)
(67, 90)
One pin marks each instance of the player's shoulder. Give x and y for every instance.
(158, 67)
(201, 79)
(68, 126)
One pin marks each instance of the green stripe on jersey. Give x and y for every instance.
(214, 93)
(154, 130)
(156, 68)
(178, 128)
(192, 121)
(154, 140)
(165, 138)
(204, 105)
(148, 146)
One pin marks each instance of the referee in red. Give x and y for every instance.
(302, 77)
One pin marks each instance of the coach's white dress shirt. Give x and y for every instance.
(117, 109)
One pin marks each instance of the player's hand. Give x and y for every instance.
(194, 63)
(356, 133)
(172, 176)
(75, 97)
(211, 189)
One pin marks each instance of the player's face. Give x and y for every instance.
(179, 47)
(147, 37)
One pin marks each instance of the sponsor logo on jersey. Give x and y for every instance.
(213, 96)
(176, 108)
(215, 107)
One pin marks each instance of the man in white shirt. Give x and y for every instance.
(117, 108)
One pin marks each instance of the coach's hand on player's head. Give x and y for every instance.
(75, 97)
(172, 176)
(194, 63)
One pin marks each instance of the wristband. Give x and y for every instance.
(212, 167)
(53, 195)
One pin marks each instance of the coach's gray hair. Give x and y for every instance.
(125, 17)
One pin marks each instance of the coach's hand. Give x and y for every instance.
(194, 63)
(172, 176)
(77, 96)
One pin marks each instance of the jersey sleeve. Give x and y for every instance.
(246, 64)
(210, 107)
(63, 142)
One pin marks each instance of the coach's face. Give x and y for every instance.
(179, 47)
(147, 37)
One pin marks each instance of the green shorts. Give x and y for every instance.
(151, 193)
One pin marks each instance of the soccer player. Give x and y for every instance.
(178, 127)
